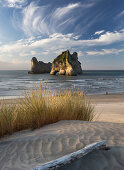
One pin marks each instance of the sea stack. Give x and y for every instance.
(66, 64)
(39, 67)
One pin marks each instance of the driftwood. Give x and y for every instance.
(55, 164)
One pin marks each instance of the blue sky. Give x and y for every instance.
(45, 28)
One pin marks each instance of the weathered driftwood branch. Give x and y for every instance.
(71, 157)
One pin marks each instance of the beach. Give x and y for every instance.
(29, 149)
(61, 85)
(108, 108)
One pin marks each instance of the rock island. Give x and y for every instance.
(64, 64)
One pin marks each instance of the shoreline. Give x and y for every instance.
(103, 98)
(94, 98)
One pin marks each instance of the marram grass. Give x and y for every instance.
(41, 107)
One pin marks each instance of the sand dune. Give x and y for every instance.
(29, 149)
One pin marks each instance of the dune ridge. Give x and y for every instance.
(28, 149)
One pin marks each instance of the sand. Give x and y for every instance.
(28, 149)
(108, 108)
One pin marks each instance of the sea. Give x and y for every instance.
(14, 83)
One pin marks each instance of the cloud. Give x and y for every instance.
(37, 21)
(80, 54)
(34, 20)
(105, 52)
(14, 3)
(111, 37)
(54, 44)
(59, 40)
(64, 40)
(60, 12)
(99, 32)
(121, 14)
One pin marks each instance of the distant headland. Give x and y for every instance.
(64, 64)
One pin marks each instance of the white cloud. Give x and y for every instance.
(99, 32)
(47, 48)
(105, 52)
(58, 40)
(111, 37)
(80, 54)
(34, 20)
(60, 12)
(121, 14)
(13, 3)
(37, 21)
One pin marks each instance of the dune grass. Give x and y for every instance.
(41, 107)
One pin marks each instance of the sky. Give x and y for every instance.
(45, 28)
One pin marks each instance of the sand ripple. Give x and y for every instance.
(28, 149)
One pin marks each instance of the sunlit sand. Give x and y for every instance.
(29, 149)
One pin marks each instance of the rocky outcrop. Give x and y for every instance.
(66, 64)
(39, 67)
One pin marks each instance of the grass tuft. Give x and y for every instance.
(41, 107)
